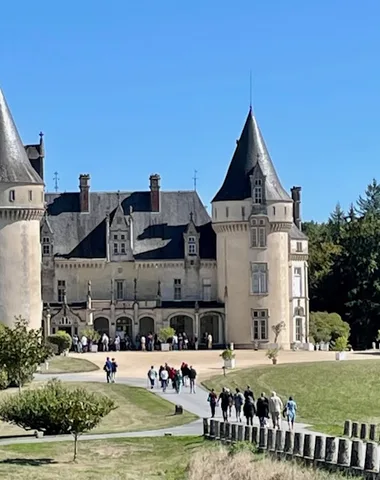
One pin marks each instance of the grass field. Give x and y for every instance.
(327, 393)
(138, 409)
(169, 458)
(61, 364)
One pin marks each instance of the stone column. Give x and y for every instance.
(319, 450)
(355, 430)
(263, 440)
(212, 429)
(271, 443)
(205, 428)
(371, 462)
(357, 454)
(363, 431)
(255, 435)
(308, 446)
(135, 326)
(247, 433)
(240, 433)
(372, 432)
(196, 325)
(280, 441)
(298, 444)
(289, 442)
(344, 452)
(331, 452)
(347, 431)
(233, 432)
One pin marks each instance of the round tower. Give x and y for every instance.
(21, 209)
(252, 218)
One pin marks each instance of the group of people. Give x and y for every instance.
(181, 377)
(110, 367)
(264, 408)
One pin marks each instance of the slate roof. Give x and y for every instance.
(157, 236)
(296, 234)
(15, 166)
(250, 151)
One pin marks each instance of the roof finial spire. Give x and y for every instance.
(118, 198)
(250, 91)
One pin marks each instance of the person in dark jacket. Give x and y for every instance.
(262, 408)
(248, 393)
(212, 400)
(249, 410)
(224, 399)
(192, 376)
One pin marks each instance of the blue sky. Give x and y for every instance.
(124, 89)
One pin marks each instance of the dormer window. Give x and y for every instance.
(46, 246)
(192, 245)
(12, 195)
(258, 191)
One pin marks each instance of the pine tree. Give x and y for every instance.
(370, 203)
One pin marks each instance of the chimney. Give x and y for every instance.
(296, 197)
(84, 193)
(155, 192)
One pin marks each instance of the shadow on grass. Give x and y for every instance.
(26, 435)
(28, 462)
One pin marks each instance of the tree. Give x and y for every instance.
(166, 333)
(370, 203)
(336, 223)
(56, 409)
(92, 335)
(62, 340)
(277, 329)
(326, 327)
(22, 350)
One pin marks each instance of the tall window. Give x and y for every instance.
(12, 195)
(206, 287)
(46, 247)
(258, 235)
(61, 288)
(258, 191)
(297, 282)
(119, 289)
(259, 278)
(298, 329)
(192, 245)
(260, 324)
(122, 248)
(177, 289)
(227, 212)
(299, 247)
(115, 248)
(30, 195)
(243, 213)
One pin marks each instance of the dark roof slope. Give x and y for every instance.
(250, 151)
(155, 235)
(15, 166)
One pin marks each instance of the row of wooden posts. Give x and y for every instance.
(354, 456)
(364, 431)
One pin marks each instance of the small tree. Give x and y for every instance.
(166, 333)
(340, 344)
(92, 335)
(56, 409)
(62, 340)
(277, 329)
(22, 350)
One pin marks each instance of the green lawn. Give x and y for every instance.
(61, 364)
(116, 459)
(138, 409)
(327, 393)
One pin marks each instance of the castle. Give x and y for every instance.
(132, 262)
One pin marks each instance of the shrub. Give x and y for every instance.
(228, 354)
(4, 382)
(56, 409)
(324, 327)
(272, 353)
(62, 340)
(166, 333)
(340, 344)
(91, 334)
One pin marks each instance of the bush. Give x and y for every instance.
(326, 327)
(91, 335)
(166, 333)
(55, 409)
(341, 344)
(4, 382)
(227, 354)
(62, 340)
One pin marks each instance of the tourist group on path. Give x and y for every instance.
(185, 376)
(264, 408)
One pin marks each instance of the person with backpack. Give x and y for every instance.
(212, 400)
(108, 369)
(239, 402)
(224, 399)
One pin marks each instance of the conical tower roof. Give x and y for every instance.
(250, 152)
(15, 166)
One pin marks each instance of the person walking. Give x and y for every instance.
(224, 400)
(262, 409)
(152, 375)
(209, 341)
(249, 410)
(291, 409)
(212, 400)
(275, 408)
(114, 367)
(238, 401)
(164, 376)
(178, 380)
(108, 369)
(192, 378)
(105, 342)
(248, 393)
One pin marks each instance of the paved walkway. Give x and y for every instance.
(193, 403)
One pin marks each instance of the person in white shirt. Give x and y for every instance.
(175, 342)
(143, 343)
(164, 379)
(209, 341)
(117, 343)
(83, 341)
(275, 409)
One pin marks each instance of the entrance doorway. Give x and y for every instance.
(101, 325)
(209, 323)
(182, 324)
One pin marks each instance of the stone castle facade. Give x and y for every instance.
(133, 262)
